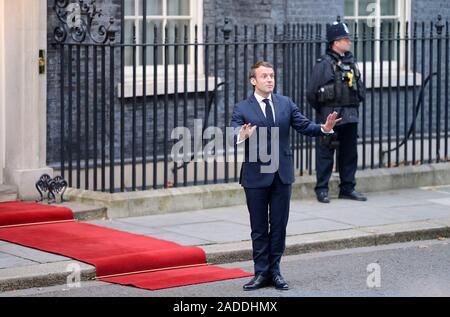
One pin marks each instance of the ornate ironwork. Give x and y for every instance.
(439, 25)
(80, 20)
(227, 28)
(57, 186)
(42, 186)
(51, 187)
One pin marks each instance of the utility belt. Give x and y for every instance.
(329, 140)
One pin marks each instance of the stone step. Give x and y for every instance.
(86, 212)
(8, 193)
(83, 211)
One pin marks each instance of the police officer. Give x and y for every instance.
(336, 85)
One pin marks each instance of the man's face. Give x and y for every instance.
(264, 81)
(343, 45)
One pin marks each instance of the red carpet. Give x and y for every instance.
(16, 213)
(112, 252)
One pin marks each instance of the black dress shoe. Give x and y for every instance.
(280, 283)
(259, 281)
(323, 197)
(354, 195)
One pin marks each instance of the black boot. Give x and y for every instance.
(354, 195)
(323, 197)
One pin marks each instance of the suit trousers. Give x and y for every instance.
(269, 214)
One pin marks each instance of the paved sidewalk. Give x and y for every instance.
(224, 233)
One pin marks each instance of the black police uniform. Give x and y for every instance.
(336, 85)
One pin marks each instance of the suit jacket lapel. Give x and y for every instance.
(257, 108)
(277, 107)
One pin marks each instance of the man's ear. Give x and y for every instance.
(253, 81)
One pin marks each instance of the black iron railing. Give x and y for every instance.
(120, 101)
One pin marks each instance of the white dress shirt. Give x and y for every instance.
(262, 104)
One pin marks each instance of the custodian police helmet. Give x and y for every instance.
(337, 31)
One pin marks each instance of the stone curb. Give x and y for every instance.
(336, 240)
(42, 275)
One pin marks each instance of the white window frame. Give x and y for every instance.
(196, 18)
(403, 15)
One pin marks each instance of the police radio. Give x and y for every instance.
(347, 75)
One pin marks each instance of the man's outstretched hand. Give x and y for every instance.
(331, 122)
(246, 131)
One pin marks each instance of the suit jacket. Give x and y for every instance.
(287, 115)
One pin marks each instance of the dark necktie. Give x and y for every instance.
(269, 113)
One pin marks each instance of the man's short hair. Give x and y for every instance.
(258, 65)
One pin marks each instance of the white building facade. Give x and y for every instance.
(23, 25)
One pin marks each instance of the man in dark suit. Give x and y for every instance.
(267, 191)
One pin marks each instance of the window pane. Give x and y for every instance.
(388, 7)
(179, 24)
(349, 8)
(385, 26)
(151, 39)
(129, 7)
(351, 27)
(154, 7)
(128, 40)
(358, 51)
(367, 7)
(178, 7)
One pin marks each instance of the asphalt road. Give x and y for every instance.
(407, 269)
